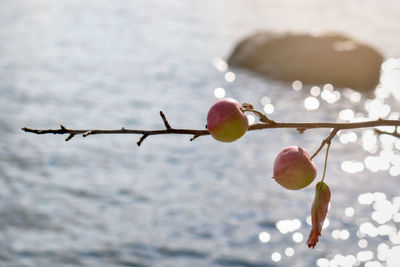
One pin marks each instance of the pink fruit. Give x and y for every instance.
(226, 121)
(293, 168)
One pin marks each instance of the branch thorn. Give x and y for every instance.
(166, 123)
(69, 137)
(141, 139)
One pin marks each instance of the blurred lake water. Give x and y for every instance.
(102, 201)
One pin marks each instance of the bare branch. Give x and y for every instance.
(268, 124)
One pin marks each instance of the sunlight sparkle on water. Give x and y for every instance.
(349, 211)
(328, 87)
(322, 262)
(289, 252)
(297, 237)
(348, 137)
(311, 103)
(352, 95)
(265, 100)
(352, 166)
(219, 92)
(369, 229)
(276, 256)
(394, 171)
(220, 64)
(396, 218)
(338, 260)
(230, 76)
(386, 230)
(393, 257)
(297, 85)
(342, 234)
(369, 141)
(315, 91)
(346, 115)
(375, 164)
(286, 226)
(383, 211)
(336, 234)
(379, 196)
(383, 251)
(390, 79)
(362, 243)
(366, 198)
(376, 109)
(329, 94)
(269, 108)
(264, 237)
(373, 264)
(365, 255)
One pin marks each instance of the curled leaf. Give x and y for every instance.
(318, 212)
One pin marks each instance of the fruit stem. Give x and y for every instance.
(326, 160)
(260, 115)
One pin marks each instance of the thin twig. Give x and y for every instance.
(326, 141)
(166, 123)
(141, 139)
(394, 133)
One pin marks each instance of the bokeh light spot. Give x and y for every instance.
(363, 243)
(297, 85)
(349, 211)
(265, 100)
(322, 262)
(269, 108)
(365, 255)
(289, 252)
(311, 103)
(230, 76)
(366, 198)
(220, 64)
(297, 237)
(264, 237)
(346, 115)
(276, 256)
(315, 91)
(219, 92)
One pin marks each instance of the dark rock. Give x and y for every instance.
(334, 59)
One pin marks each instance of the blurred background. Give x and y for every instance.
(103, 201)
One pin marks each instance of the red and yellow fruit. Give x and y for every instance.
(226, 120)
(293, 168)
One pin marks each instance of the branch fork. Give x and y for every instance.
(265, 123)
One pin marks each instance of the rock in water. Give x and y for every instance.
(334, 59)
